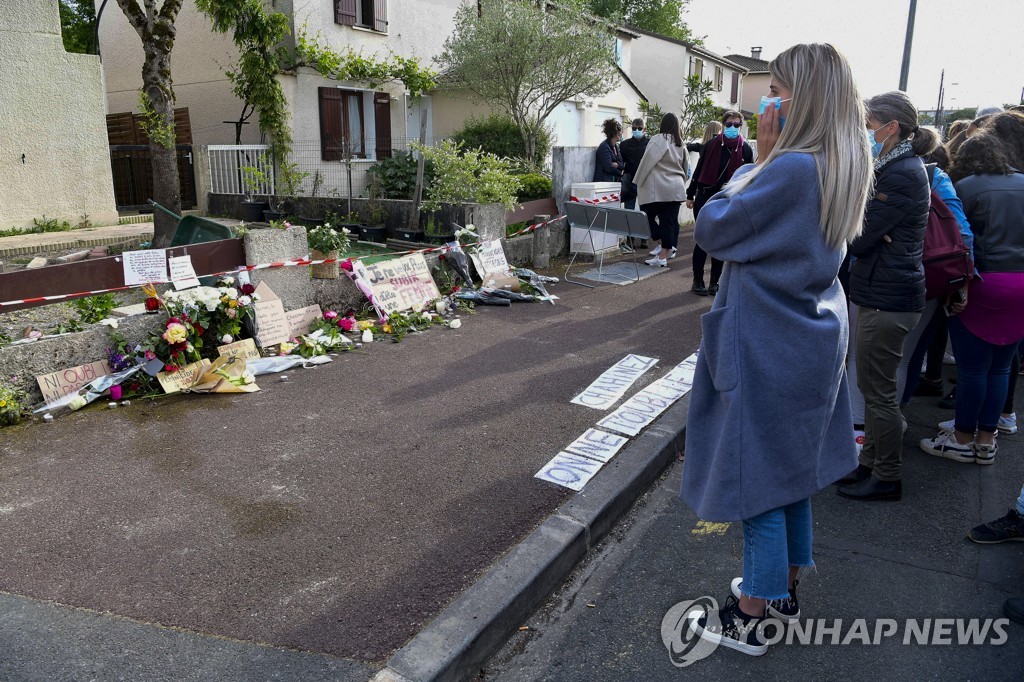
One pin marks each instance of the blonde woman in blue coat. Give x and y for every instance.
(769, 421)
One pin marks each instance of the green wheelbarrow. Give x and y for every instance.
(195, 230)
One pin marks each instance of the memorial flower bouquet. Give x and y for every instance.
(324, 238)
(200, 319)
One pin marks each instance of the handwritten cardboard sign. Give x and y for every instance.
(186, 377)
(183, 275)
(492, 266)
(569, 470)
(142, 267)
(271, 321)
(245, 348)
(300, 319)
(608, 388)
(399, 283)
(59, 384)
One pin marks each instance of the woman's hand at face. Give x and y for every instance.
(767, 132)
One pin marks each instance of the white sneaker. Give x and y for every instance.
(948, 359)
(1008, 424)
(657, 262)
(948, 426)
(672, 252)
(944, 445)
(985, 454)
(655, 252)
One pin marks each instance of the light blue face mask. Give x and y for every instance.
(777, 103)
(732, 133)
(637, 134)
(876, 147)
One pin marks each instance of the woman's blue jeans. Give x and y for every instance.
(772, 542)
(982, 376)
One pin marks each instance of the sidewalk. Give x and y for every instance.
(24, 244)
(897, 560)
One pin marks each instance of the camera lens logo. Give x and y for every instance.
(684, 646)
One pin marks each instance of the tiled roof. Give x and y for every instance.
(749, 63)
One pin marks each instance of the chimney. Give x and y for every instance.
(755, 52)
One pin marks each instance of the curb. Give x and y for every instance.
(77, 243)
(478, 622)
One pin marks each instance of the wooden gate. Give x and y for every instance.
(130, 160)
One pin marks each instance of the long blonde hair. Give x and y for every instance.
(711, 130)
(826, 119)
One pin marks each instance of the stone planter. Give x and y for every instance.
(326, 270)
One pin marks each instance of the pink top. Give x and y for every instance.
(995, 308)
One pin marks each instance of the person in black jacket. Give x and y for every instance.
(609, 160)
(719, 159)
(632, 149)
(887, 289)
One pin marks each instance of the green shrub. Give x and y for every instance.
(534, 186)
(396, 176)
(498, 134)
(468, 175)
(12, 404)
(92, 309)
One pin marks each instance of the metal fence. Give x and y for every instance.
(229, 164)
(343, 174)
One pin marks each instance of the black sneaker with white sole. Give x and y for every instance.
(787, 609)
(731, 628)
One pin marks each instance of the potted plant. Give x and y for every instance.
(436, 231)
(373, 229)
(289, 184)
(312, 212)
(326, 242)
(255, 181)
(351, 221)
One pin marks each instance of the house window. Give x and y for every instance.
(698, 68)
(719, 77)
(618, 51)
(371, 14)
(342, 131)
(734, 96)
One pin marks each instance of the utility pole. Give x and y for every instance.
(905, 69)
(938, 108)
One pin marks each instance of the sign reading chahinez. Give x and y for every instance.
(613, 383)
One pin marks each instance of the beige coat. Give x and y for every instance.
(663, 172)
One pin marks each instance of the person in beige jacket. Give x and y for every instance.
(661, 187)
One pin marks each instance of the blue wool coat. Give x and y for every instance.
(769, 421)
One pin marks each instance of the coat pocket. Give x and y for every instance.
(719, 347)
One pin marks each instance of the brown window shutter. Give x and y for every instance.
(331, 121)
(380, 15)
(382, 123)
(345, 12)
(735, 96)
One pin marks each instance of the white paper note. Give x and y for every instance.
(183, 275)
(608, 388)
(144, 267)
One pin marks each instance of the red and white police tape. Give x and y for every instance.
(304, 261)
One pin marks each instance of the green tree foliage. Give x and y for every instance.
(698, 108)
(961, 115)
(78, 25)
(526, 60)
(664, 17)
(499, 135)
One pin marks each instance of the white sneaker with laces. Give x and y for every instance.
(985, 454)
(655, 252)
(1008, 424)
(657, 262)
(945, 445)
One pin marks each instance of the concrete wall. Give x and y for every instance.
(54, 158)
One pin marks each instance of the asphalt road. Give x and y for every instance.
(900, 560)
(334, 514)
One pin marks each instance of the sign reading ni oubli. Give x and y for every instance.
(59, 384)
(399, 283)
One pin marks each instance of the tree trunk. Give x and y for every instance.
(155, 26)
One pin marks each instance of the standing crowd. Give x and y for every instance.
(847, 254)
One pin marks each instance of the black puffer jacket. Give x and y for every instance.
(888, 275)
